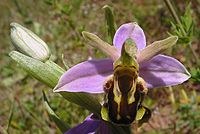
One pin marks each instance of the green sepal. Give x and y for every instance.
(59, 123)
(39, 70)
(110, 21)
(57, 69)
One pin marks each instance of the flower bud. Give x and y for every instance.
(28, 43)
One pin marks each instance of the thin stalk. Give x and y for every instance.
(177, 19)
(10, 116)
(174, 14)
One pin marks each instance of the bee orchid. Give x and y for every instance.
(124, 77)
(157, 70)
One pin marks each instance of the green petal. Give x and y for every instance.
(156, 48)
(96, 42)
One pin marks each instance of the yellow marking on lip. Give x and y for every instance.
(117, 95)
(117, 99)
(131, 94)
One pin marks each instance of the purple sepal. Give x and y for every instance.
(163, 70)
(87, 76)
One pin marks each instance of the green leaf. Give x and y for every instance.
(111, 25)
(185, 29)
(59, 123)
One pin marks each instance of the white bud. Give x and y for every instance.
(29, 43)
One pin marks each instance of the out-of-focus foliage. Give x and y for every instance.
(185, 30)
(188, 114)
(196, 75)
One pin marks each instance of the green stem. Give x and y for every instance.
(10, 116)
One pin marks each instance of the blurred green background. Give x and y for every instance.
(60, 23)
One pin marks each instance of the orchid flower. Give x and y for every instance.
(89, 76)
(159, 71)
